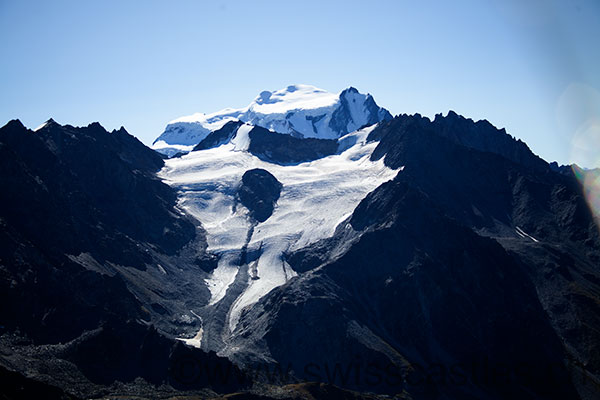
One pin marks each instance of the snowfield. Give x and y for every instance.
(315, 198)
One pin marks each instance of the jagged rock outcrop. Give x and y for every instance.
(259, 192)
(272, 146)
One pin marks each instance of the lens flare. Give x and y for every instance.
(585, 145)
(590, 181)
(578, 115)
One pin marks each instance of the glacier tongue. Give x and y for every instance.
(300, 110)
(316, 196)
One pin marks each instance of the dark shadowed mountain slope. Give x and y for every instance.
(480, 135)
(416, 292)
(66, 187)
(219, 136)
(70, 195)
(467, 259)
(484, 189)
(17, 387)
(286, 149)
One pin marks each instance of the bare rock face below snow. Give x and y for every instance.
(220, 136)
(258, 192)
(287, 149)
(273, 147)
(77, 205)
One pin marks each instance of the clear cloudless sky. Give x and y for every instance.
(531, 66)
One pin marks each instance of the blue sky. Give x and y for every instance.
(531, 66)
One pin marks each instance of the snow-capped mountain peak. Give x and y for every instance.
(293, 97)
(299, 110)
(45, 124)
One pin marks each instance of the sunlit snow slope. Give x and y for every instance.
(301, 110)
(316, 197)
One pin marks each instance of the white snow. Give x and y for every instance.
(211, 121)
(356, 105)
(299, 109)
(180, 147)
(294, 97)
(523, 234)
(41, 126)
(241, 140)
(196, 341)
(356, 137)
(222, 277)
(315, 198)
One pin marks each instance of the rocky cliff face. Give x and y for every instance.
(73, 201)
(270, 146)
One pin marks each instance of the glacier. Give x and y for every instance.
(316, 197)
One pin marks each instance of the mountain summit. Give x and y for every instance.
(299, 110)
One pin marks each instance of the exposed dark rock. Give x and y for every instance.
(563, 169)
(14, 386)
(483, 136)
(485, 190)
(480, 135)
(272, 146)
(259, 192)
(286, 149)
(130, 350)
(341, 117)
(306, 391)
(220, 136)
(66, 187)
(79, 191)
